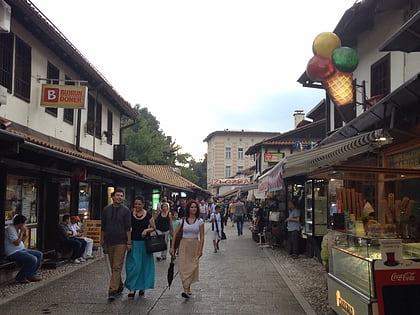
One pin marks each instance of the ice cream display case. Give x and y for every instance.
(373, 275)
(316, 207)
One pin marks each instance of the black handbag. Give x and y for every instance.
(223, 235)
(155, 243)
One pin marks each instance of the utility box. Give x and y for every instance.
(120, 152)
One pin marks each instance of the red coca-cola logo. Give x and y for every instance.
(403, 276)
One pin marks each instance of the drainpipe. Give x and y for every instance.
(78, 126)
(125, 127)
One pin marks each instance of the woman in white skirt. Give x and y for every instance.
(190, 247)
(216, 227)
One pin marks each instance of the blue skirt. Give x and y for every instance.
(139, 268)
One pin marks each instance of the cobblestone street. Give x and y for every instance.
(240, 279)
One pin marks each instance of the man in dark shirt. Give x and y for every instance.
(116, 238)
(65, 238)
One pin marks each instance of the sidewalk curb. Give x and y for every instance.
(299, 297)
(42, 283)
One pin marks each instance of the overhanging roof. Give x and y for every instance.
(164, 175)
(381, 113)
(406, 38)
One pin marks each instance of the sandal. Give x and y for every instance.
(185, 295)
(131, 294)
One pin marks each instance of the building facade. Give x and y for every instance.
(226, 153)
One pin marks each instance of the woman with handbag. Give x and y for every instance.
(140, 266)
(163, 227)
(190, 247)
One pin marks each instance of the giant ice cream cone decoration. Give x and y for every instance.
(340, 87)
(333, 65)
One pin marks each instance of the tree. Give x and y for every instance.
(147, 143)
(196, 172)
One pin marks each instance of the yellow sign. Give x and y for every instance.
(343, 304)
(63, 96)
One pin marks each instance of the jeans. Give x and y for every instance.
(77, 246)
(293, 242)
(240, 224)
(31, 260)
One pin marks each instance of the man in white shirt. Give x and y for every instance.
(14, 237)
(78, 232)
(203, 209)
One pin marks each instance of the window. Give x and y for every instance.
(98, 125)
(23, 63)
(240, 169)
(228, 153)
(52, 73)
(6, 61)
(90, 115)
(228, 171)
(94, 119)
(68, 112)
(240, 153)
(109, 128)
(380, 76)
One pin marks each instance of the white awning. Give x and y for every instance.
(304, 162)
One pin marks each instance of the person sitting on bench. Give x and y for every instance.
(78, 233)
(65, 238)
(14, 237)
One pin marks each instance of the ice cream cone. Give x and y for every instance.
(340, 87)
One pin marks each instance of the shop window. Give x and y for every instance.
(52, 73)
(22, 198)
(84, 201)
(380, 76)
(68, 116)
(23, 64)
(64, 197)
(6, 60)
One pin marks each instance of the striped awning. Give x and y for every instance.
(323, 156)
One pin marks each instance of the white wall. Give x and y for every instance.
(33, 116)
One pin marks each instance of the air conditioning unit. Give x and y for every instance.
(5, 16)
(120, 152)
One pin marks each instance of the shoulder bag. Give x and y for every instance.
(155, 243)
(178, 236)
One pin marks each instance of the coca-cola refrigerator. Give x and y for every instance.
(373, 275)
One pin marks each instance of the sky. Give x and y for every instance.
(198, 65)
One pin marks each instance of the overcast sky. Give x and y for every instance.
(201, 66)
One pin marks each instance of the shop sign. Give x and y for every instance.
(273, 157)
(343, 304)
(79, 173)
(407, 159)
(230, 182)
(63, 96)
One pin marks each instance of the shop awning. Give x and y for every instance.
(406, 38)
(273, 179)
(377, 116)
(326, 155)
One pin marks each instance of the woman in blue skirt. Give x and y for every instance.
(139, 265)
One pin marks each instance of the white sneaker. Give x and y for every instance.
(76, 261)
(82, 259)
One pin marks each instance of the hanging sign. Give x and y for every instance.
(63, 96)
(273, 157)
(230, 182)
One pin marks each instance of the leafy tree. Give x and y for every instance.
(147, 143)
